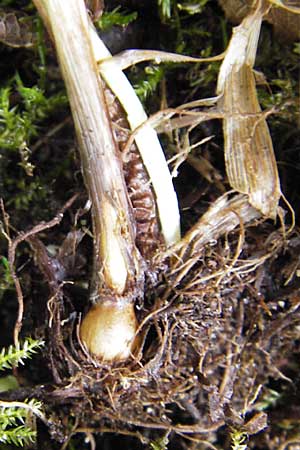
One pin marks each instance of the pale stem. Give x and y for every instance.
(116, 257)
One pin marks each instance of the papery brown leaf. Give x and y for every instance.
(249, 155)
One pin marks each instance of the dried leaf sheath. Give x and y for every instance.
(141, 195)
(249, 157)
(249, 154)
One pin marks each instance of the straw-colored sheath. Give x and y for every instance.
(249, 155)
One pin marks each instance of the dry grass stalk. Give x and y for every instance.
(249, 154)
(116, 254)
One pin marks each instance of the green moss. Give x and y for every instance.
(19, 123)
(238, 440)
(13, 356)
(165, 8)
(15, 417)
(149, 83)
(160, 444)
(115, 17)
(6, 281)
(192, 6)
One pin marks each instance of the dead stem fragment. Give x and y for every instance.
(222, 217)
(16, 29)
